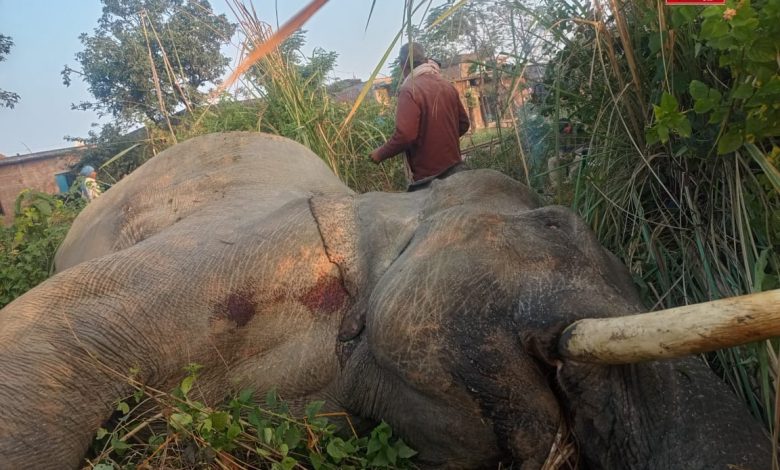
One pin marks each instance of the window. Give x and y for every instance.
(65, 181)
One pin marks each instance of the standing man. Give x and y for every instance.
(428, 123)
(89, 187)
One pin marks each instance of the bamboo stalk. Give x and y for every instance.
(674, 332)
(156, 79)
(628, 49)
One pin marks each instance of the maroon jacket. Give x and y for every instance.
(428, 124)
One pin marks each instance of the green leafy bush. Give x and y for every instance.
(680, 177)
(27, 247)
(184, 432)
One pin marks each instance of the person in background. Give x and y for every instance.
(89, 187)
(429, 121)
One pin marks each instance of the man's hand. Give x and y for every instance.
(375, 157)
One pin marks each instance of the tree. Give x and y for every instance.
(312, 70)
(149, 58)
(478, 27)
(8, 99)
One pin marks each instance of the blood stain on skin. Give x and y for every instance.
(327, 295)
(239, 307)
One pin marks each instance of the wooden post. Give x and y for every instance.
(674, 332)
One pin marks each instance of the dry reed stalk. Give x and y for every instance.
(156, 78)
(169, 70)
(602, 32)
(628, 49)
(563, 452)
(272, 42)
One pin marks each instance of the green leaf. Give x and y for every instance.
(730, 141)
(663, 133)
(268, 435)
(43, 207)
(206, 426)
(103, 466)
(245, 396)
(698, 89)
(123, 407)
(742, 91)
(762, 51)
(404, 451)
(293, 437)
(288, 463)
(744, 30)
(668, 103)
(717, 115)
(334, 449)
(234, 430)
(272, 399)
(713, 12)
(713, 28)
(651, 136)
(186, 384)
(119, 446)
(682, 15)
(702, 106)
(770, 88)
(180, 421)
(391, 454)
(374, 445)
(315, 459)
(219, 420)
(683, 127)
(101, 433)
(313, 408)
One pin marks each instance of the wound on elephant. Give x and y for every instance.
(327, 295)
(238, 307)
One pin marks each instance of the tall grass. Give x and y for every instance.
(300, 108)
(692, 226)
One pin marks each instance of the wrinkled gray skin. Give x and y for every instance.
(244, 253)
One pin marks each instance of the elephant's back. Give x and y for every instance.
(214, 177)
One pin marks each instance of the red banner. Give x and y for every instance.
(695, 2)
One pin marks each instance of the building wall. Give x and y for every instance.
(36, 171)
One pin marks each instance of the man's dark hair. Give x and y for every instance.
(413, 51)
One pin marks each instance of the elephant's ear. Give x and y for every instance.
(363, 235)
(336, 217)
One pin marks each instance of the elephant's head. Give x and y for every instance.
(437, 311)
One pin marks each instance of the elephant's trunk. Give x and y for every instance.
(659, 415)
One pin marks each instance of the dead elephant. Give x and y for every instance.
(244, 253)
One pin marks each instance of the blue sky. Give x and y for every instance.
(45, 35)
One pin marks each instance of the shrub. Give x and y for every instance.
(176, 430)
(27, 247)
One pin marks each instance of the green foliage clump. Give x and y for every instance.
(8, 99)
(148, 57)
(176, 430)
(27, 247)
(736, 102)
(678, 109)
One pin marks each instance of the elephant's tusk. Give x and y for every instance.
(674, 332)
